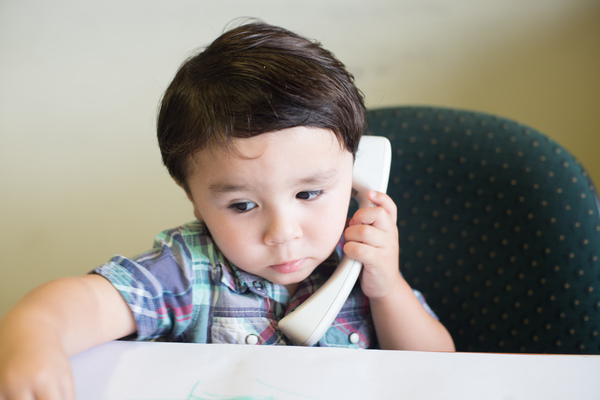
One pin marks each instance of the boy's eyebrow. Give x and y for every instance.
(225, 188)
(319, 178)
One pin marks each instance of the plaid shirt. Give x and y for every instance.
(184, 290)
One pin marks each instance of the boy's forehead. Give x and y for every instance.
(306, 148)
(319, 139)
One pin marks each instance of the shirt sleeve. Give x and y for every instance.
(424, 303)
(158, 287)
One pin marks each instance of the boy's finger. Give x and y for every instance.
(366, 234)
(375, 216)
(360, 251)
(384, 201)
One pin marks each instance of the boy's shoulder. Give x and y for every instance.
(189, 229)
(193, 240)
(191, 234)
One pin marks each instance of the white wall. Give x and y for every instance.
(80, 172)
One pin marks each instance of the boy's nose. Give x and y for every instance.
(281, 229)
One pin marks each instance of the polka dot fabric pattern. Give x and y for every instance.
(499, 229)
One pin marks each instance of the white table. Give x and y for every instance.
(174, 371)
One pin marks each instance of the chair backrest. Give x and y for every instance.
(499, 229)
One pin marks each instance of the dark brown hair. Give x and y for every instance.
(254, 79)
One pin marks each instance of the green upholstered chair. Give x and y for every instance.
(499, 229)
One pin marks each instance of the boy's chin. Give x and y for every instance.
(288, 280)
(292, 279)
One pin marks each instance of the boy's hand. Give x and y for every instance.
(372, 238)
(400, 321)
(34, 366)
(51, 323)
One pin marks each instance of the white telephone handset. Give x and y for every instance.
(309, 321)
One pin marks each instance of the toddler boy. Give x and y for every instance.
(260, 130)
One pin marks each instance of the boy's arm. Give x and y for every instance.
(401, 322)
(52, 323)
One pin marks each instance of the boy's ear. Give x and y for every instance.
(189, 196)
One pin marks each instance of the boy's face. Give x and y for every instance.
(276, 205)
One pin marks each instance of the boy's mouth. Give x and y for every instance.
(289, 266)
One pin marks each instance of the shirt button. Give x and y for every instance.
(251, 339)
(353, 338)
(258, 285)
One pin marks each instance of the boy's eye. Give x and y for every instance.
(243, 206)
(309, 195)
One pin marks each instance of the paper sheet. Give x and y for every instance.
(170, 371)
